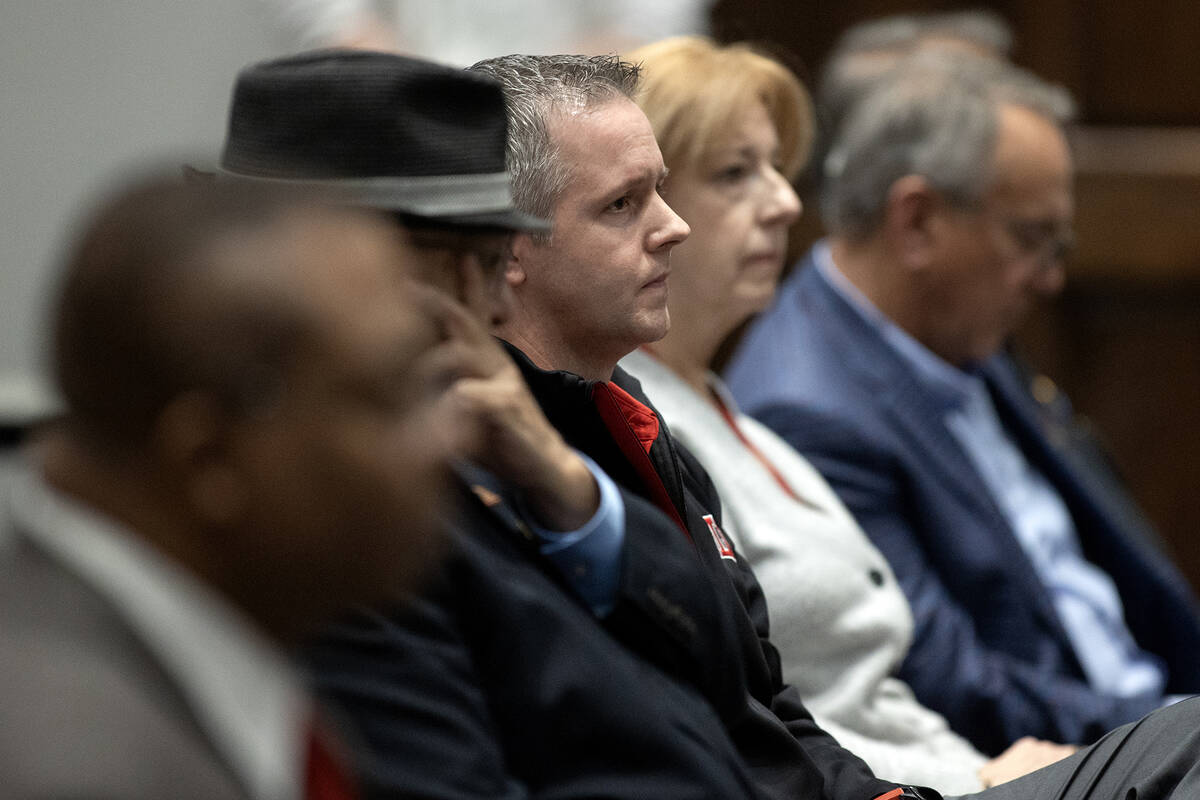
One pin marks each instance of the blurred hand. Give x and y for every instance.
(1024, 756)
(498, 424)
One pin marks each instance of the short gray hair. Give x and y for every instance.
(935, 114)
(866, 50)
(984, 29)
(535, 87)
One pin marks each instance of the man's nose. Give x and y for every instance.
(670, 229)
(1051, 277)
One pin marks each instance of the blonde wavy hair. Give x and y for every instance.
(693, 89)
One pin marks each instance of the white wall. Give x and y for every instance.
(89, 88)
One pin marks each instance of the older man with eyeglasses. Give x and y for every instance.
(1041, 606)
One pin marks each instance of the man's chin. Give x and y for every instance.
(654, 330)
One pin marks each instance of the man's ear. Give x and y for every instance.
(192, 440)
(520, 252)
(912, 220)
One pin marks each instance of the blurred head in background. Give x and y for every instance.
(948, 197)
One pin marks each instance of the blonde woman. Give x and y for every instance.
(735, 126)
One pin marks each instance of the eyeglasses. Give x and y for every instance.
(1047, 240)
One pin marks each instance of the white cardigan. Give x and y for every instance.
(838, 617)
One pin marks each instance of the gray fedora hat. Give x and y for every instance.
(382, 130)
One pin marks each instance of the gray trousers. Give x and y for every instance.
(1156, 757)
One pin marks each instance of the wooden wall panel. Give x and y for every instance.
(1129, 357)
(1127, 61)
(1142, 63)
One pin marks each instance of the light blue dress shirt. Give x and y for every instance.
(590, 557)
(1084, 597)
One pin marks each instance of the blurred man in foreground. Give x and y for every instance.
(245, 452)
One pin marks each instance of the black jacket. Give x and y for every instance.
(499, 682)
(728, 657)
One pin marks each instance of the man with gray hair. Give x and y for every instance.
(1040, 606)
(612, 231)
(583, 154)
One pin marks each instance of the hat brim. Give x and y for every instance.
(475, 201)
(512, 220)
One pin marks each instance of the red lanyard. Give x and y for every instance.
(762, 459)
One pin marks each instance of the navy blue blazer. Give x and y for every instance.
(989, 652)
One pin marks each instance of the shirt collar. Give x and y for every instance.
(245, 695)
(644, 361)
(950, 386)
